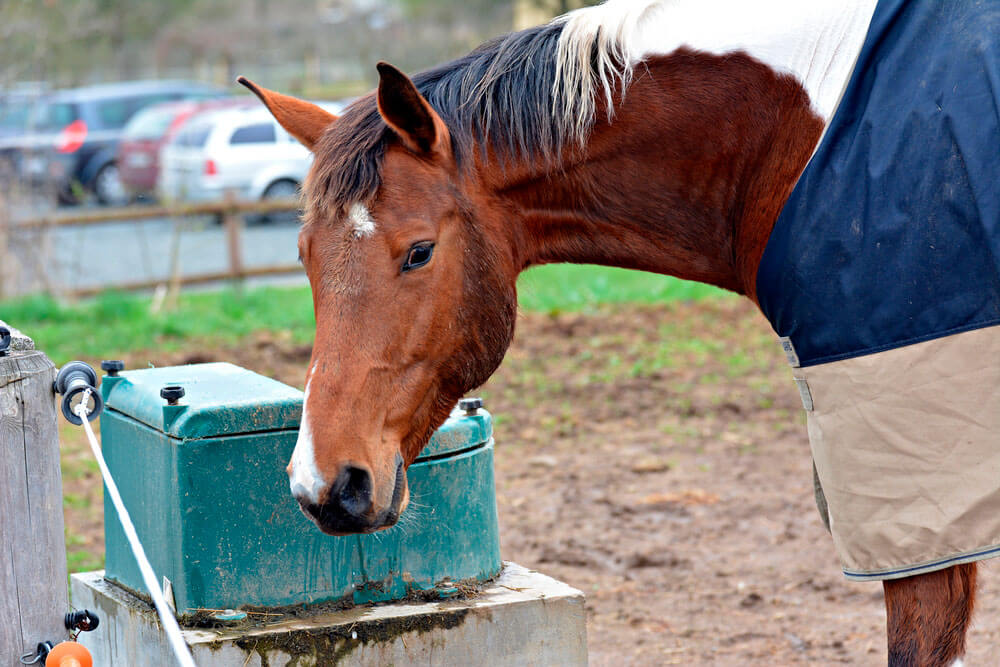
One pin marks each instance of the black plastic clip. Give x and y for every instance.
(76, 622)
(37, 656)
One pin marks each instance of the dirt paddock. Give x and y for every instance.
(656, 458)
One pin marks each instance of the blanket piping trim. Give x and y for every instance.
(941, 563)
(903, 343)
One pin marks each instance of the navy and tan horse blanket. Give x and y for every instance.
(882, 276)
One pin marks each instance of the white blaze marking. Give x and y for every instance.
(306, 481)
(362, 220)
(817, 41)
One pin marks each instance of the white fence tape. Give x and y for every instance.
(173, 630)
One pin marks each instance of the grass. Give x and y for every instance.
(573, 287)
(79, 555)
(115, 323)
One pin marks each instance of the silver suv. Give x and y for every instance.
(241, 151)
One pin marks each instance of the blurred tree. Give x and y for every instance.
(533, 12)
(438, 7)
(292, 44)
(438, 30)
(62, 40)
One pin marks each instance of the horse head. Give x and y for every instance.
(415, 303)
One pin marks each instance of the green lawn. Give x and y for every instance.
(575, 287)
(114, 323)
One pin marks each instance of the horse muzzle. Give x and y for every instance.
(348, 507)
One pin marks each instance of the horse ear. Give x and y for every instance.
(406, 111)
(303, 120)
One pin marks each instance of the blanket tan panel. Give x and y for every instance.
(907, 448)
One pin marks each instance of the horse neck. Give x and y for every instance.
(687, 179)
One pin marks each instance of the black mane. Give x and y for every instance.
(498, 95)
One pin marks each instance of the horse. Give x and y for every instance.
(670, 136)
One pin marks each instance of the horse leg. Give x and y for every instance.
(928, 616)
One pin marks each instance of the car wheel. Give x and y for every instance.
(10, 183)
(108, 186)
(8, 170)
(283, 189)
(67, 195)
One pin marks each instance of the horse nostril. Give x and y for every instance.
(355, 492)
(300, 492)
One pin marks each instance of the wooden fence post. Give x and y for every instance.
(6, 259)
(34, 593)
(233, 222)
(174, 282)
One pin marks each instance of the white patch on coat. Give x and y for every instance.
(306, 482)
(361, 220)
(816, 41)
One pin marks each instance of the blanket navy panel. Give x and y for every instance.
(892, 234)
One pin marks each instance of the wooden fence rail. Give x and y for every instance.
(100, 216)
(230, 211)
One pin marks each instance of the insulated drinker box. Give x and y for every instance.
(204, 481)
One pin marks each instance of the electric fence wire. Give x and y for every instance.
(167, 617)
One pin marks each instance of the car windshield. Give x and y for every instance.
(14, 116)
(114, 112)
(54, 116)
(150, 123)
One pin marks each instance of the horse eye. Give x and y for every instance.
(419, 255)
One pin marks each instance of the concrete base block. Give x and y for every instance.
(522, 618)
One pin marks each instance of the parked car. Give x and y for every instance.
(149, 130)
(16, 105)
(76, 133)
(240, 151)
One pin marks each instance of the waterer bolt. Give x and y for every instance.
(470, 406)
(172, 393)
(112, 367)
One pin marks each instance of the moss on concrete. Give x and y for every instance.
(329, 646)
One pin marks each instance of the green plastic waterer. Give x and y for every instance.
(205, 484)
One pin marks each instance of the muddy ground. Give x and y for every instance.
(655, 458)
